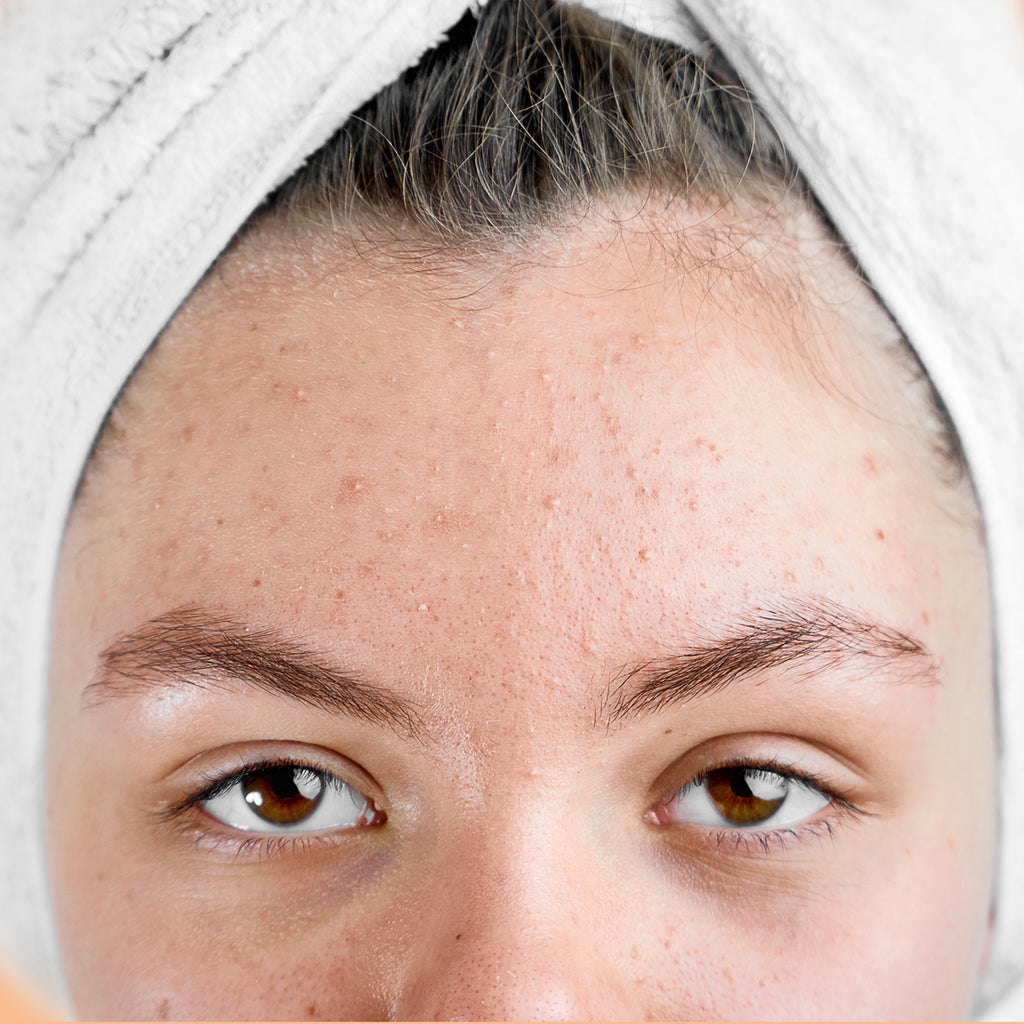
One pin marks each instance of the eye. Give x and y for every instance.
(286, 797)
(744, 797)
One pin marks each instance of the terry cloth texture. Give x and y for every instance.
(137, 135)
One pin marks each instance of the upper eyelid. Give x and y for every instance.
(223, 781)
(825, 786)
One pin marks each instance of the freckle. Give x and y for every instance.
(879, 533)
(666, 732)
(699, 443)
(256, 582)
(265, 468)
(339, 595)
(220, 522)
(925, 617)
(186, 434)
(163, 1010)
(311, 1010)
(869, 466)
(458, 936)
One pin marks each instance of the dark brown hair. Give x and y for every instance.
(529, 110)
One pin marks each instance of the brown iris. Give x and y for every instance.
(284, 795)
(746, 796)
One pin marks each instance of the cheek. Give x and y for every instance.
(893, 945)
(144, 940)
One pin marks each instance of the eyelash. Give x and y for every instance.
(752, 841)
(191, 817)
(194, 821)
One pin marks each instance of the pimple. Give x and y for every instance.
(351, 487)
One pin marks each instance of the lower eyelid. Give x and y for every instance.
(817, 832)
(211, 837)
(770, 840)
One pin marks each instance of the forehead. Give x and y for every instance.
(593, 451)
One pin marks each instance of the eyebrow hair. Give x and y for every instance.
(809, 634)
(191, 646)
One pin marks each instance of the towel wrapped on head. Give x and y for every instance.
(135, 142)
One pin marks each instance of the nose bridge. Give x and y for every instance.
(517, 934)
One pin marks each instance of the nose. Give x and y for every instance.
(473, 976)
(477, 975)
(513, 936)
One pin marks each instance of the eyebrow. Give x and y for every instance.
(190, 646)
(819, 636)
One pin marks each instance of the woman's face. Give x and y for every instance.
(599, 643)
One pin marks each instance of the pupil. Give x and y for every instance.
(738, 803)
(284, 795)
(739, 783)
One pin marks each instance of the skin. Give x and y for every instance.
(490, 489)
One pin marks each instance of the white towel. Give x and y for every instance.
(135, 137)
